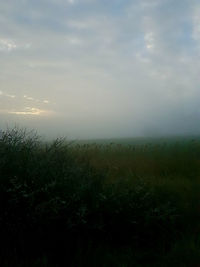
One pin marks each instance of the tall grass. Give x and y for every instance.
(94, 205)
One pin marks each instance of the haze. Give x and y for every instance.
(99, 68)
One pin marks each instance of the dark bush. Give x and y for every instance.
(52, 204)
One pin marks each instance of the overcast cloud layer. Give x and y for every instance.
(99, 68)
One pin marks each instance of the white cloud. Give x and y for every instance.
(149, 39)
(11, 96)
(7, 95)
(30, 98)
(7, 45)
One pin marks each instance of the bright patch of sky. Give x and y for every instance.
(98, 68)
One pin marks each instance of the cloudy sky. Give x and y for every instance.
(99, 68)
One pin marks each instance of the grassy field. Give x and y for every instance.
(132, 202)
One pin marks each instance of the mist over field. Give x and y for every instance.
(100, 69)
(120, 80)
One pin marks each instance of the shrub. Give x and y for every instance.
(55, 203)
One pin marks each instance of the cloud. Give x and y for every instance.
(130, 64)
(7, 95)
(196, 25)
(45, 101)
(149, 39)
(7, 45)
(28, 97)
(30, 111)
(74, 40)
(71, 1)
(11, 96)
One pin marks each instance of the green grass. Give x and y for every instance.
(98, 204)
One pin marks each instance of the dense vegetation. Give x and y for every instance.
(98, 205)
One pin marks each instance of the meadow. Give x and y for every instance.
(99, 203)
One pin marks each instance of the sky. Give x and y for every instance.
(100, 69)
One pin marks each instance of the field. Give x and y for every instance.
(131, 202)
